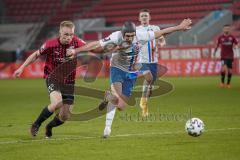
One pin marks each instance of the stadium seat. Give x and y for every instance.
(116, 11)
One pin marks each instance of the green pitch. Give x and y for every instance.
(160, 137)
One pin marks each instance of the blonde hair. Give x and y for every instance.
(69, 24)
(144, 10)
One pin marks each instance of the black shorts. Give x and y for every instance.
(227, 62)
(67, 90)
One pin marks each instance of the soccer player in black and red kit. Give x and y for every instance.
(226, 41)
(60, 88)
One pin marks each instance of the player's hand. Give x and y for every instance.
(185, 24)
(214, 55)
(18, 72)
(71, 53)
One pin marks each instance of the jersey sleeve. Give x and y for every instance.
(158, 28)
(145, 36)
(44, 48)
(111, 39)
(235, 41)
(80, 42)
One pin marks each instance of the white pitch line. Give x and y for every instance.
(113, 136)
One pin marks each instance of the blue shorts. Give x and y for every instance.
(152, 67)
(118, 75)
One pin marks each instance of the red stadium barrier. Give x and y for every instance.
(179, 61)
(187, 67)
(187, 52)
(34, 70)
(196, 67)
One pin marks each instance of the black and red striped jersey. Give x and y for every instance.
(56, 59)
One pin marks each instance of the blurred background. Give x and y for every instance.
(26, 24)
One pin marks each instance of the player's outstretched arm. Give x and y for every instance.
(89, 47)
(215, 50)
(28, 61)
(184, 25)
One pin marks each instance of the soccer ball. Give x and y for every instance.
(194, 127)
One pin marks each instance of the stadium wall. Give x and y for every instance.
(179, 61)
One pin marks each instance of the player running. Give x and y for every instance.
(61, 89)
(226, 41)
(148, 58)
(125, 46)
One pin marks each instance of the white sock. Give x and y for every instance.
(111, 109)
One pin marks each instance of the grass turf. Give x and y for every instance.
(132, 138)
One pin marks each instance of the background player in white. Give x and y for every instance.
(125, 46)
(148, 58)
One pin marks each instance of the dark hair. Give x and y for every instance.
(128, 27)
(144, 10)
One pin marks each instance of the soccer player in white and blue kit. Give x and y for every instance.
(125, 45)
(148, 58)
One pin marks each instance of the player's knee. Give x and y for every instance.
(149, 78)
(149, 81)
(114, 100)
(229, 71)
(55, 105)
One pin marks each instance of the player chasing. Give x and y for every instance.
(148, 58)
(226, 41)
(61, 97)
(125, 46)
